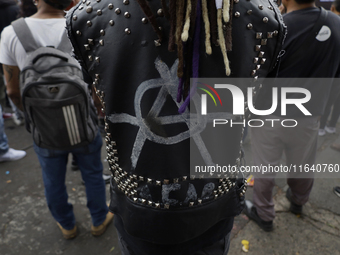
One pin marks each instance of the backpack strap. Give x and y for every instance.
(24, 35)
(65, 44)
(305, 46)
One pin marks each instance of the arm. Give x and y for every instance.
(12, 74)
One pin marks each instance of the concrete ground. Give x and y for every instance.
(26, 226)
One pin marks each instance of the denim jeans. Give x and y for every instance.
(53, 164)
(3, 138)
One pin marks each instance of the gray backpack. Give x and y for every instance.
(55, 98)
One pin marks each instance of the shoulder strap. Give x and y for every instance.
(24, 35)
(65, 44)
(304, 48)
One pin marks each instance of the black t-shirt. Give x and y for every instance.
(323, 57)
(320, 60)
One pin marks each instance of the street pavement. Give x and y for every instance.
(26, 226)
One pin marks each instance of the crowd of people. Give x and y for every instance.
(136, 59)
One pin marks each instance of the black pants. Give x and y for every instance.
(219, 248)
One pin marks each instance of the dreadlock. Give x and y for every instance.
(185, 27)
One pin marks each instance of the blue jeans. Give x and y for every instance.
(53, 164)
(3, 138)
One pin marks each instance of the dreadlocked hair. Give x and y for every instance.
(187, 18)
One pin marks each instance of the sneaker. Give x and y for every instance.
(68, 234)
(107, 178)
(337, 191)
(294, 208)
(322, 132)
(99, 230)
(251, 212)
(12, 155)
(7, 115)
(330, 130)
(18, 120)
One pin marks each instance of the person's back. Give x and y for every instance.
(47, 27)
(128, 48)
(323, 57)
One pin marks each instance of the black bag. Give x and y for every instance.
(55, 97)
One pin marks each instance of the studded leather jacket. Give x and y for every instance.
(135, 76)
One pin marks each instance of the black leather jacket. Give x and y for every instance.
(152, 192)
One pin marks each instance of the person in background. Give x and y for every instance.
(48, 27)
(308, 31)
(8, 12)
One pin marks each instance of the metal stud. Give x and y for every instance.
(261, 7)
(258, 67)
(259, 35)
(166, 181)
(270, 8)
(135, 199)
(263, 61)
(117, 11)
(157, 43)
(89, 9)
(75, 17)
(97, 59)
(126, 2)
(149, 180)
(256, 60)
(236, 1)
(249, 12)
(257, 47)
(78, 33)
(237, 14)
(160, 12)
(253, 72)
(90, 58)
(110, 6)
(80, 8)
(84, 1)
(99, 12)
(157, 205)
(127, 15)
(270, 35)
(89, 23)
(256, 78)
(101, 42)
(127, 31)
(158, 183)
(150, 203)
(97, 76)
(111, 22)
(191, 204)
(141, 178)
(276, 33)
(261, 54)
(167, 206)
(199, 201)
(143, 201)
(102, 32)
(250, 26)
(264, 42)
(184, 178)
(88, 2)
(176, 180)
(144, 20)
(87, 47)
(98, 1)
(265, 19)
